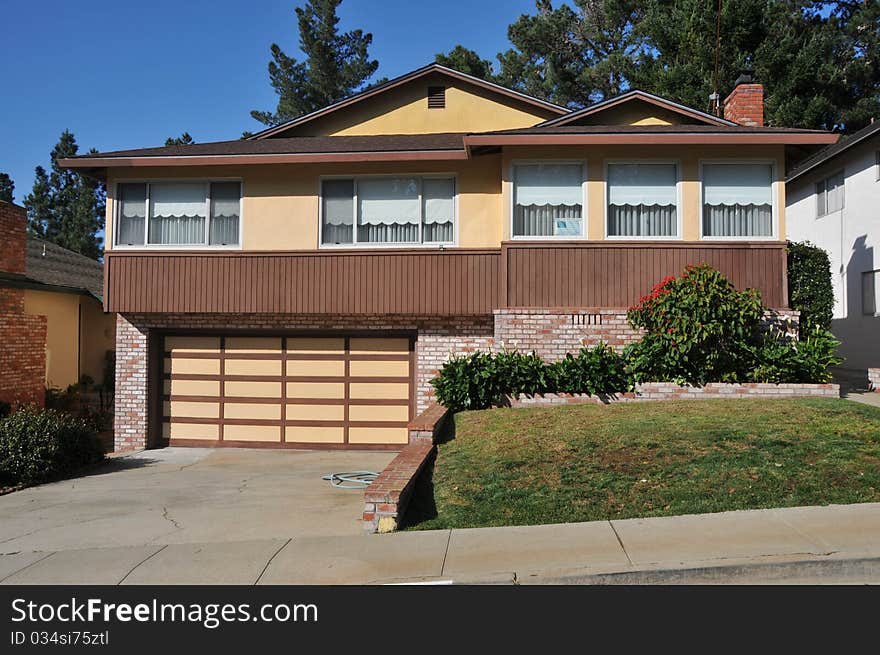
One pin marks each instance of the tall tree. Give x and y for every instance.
(66, 207)
(7, 187)
(183, 140)
(466, 61)
(336, 65)
(573, 55)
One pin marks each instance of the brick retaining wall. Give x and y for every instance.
(672, 391)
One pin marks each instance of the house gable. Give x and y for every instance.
(637, 108)
(401, 106)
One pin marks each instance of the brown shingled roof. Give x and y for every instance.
(55, 266)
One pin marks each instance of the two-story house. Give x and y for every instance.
(301, 287)
(834, 202)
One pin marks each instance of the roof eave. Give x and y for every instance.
(642, 138)
(819, 160)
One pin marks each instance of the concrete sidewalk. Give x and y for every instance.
(808, 544)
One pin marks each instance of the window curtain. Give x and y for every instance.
(438, 199)
(388, 210)
(177, 213)
(132, 212)
(548, 200)
(225, 210)
(830, 194)
(338, 211)
(642, 200)
(737, 200)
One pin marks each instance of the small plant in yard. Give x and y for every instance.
(697, 326)
(809, 285)
(779, 358)
(594, 371)
(38, 445)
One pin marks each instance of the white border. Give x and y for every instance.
(117, 207)
(679, 205)
(774, 199)
(433, 245)
(511, 204)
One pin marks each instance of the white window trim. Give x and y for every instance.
(824, 180)
(117, 206)
(512, 203)
(679, 206)
(433, 245)
(774, 199)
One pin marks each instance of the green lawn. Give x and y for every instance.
(588, 462)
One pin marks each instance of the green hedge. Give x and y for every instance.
(809, 285)
(39, 445)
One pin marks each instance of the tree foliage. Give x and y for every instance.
(66, 207)
(183, 140)
(336, 65)
(7, 187)
(809, 285)
(466, 61)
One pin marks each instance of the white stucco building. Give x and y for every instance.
(833, 200)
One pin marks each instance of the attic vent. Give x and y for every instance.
(436, 97)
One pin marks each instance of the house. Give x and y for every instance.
(834, 202)
(53, 329)
(301, 287)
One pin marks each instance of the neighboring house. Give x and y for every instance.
(53, 330)
(834, 202)
(300, 288)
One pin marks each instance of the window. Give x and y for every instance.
(871, 293)
(548, 200)
(178, 213)
(877, 160)
(642, 200)
(388, 210)
(737, 200)
(829, 195)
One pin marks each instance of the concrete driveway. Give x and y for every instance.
(189, 495)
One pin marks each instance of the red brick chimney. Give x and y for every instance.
(745, 104)
(13, 223)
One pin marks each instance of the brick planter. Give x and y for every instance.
(672, 391)
(385, 500)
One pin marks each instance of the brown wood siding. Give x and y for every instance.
(452, 282)
(428, 282)
(608, 274)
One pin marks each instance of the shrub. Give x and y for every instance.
(697, 327)
(481, 380)
(809, 285)
(596, 371)
(780, 359)
(41, 445)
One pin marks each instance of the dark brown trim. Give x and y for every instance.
(257, 400)
(642, 138)
(209, 443)
(296, 423)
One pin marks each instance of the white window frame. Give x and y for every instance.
(824, 181)
(355, 212)
(117, 208)
(679, 205)
(774, 199)
(512, 203)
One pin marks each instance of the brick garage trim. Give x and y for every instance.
(670, 391)
(874, 379)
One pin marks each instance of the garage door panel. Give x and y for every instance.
(257, 367)
(393, 369)
(307, 390)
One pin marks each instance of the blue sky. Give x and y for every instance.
(127, 74)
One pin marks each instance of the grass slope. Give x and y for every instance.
(587, 462)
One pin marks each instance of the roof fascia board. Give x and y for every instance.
(845, 147)
(647, 139)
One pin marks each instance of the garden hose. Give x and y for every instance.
(351, 479)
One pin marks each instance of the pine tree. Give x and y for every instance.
(336, 65)
(183, 140)
(7, 187)
(466, 61)
(66, 207)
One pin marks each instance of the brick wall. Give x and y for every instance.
(745, 105)
(130, 401)
(13, 223)
(22, 336)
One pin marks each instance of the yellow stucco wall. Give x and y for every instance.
(75, 343)
(634, 112)
(404, 110)
(280, 206)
